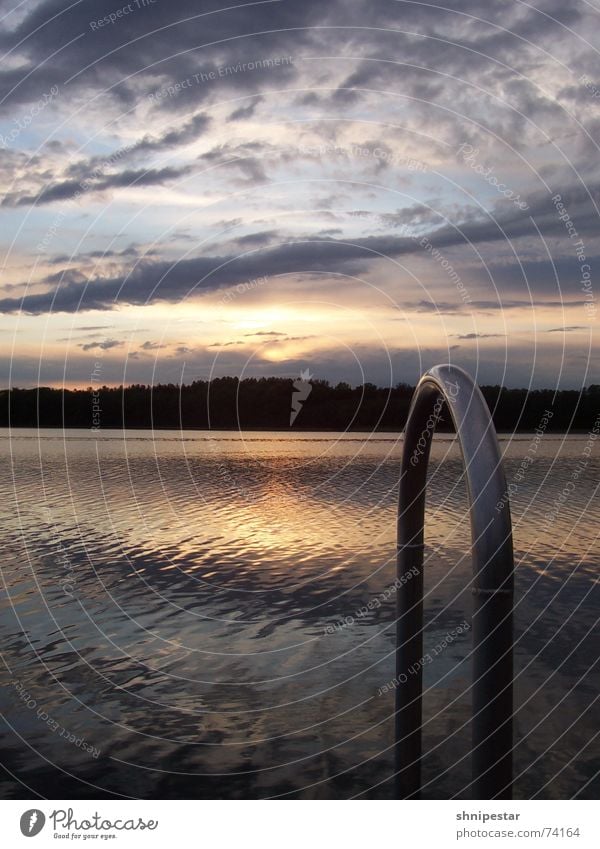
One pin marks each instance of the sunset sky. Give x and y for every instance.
(363, 189)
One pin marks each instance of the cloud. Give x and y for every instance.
(61, 259)
(480, 305)
(410, 79)
(297, 338)
(103, 346)
(167, 281)
(247, 158)
(258, 239)
(331, 231)
(69, 189)
(93, 168)
(146, 50)
(93, 327)
(461, 55)
(189, 132)
(476, 335)
(570, 329)
(417, 214)
(245, 112)
(150, 281)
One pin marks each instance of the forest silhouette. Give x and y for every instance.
(227, 403)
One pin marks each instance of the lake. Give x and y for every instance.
(209, 614)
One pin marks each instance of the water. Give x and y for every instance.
(180, 615)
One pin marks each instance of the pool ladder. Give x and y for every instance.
(493, 566)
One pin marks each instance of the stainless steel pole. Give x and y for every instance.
(493, 567)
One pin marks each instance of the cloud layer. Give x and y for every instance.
(160, 154)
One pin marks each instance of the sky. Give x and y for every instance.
(360, 189)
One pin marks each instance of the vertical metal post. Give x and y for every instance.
(493, 567)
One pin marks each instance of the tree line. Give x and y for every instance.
(226, 403)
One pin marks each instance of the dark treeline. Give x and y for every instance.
(266, 403)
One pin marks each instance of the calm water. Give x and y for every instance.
(173, 616)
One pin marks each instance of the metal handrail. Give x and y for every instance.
(493, 568)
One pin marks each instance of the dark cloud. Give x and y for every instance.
(245, 112)
(476, 335)
(69, 189)
(166, 281)
(191, 131)
(162, 57)
(93, 167)
(93, 327)
(264, 237)
(419, 78)
(461, 54)
(130, 251)
(415, 215)
(247, 158)
(441, 307)
(297, 338)
(106, 345)
(149, 48)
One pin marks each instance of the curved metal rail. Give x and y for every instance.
(493, 567)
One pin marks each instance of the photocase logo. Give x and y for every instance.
(302, 389)
(32, 822)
